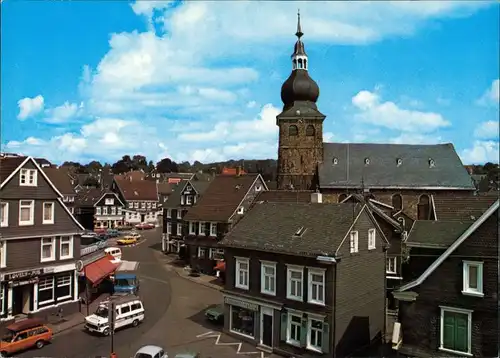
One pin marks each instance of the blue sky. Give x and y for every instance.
(88, 80)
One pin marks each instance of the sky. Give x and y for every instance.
(194, 80)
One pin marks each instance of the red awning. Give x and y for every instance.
(221, 266)
(99, 270)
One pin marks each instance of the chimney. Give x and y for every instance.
(238, 170)
(316, 198)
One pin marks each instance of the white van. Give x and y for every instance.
(116, 252)
(129, 311)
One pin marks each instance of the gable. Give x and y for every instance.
(188, 189)
(106, 198)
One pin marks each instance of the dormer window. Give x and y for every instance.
(241, 210)
(335, 161)
(300, 231)
(431, 163)
(399, 162)
(367, 161)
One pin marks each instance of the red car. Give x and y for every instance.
(144, 226)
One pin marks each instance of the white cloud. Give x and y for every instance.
(29, 107)
(387, 114)
(63, 113)
(487, 130)
(251, 104)
(492, 95)
(481, 152)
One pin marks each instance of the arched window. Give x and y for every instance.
(293, 130)
(423, 208)
(342, 197)
(310, 131)
(294, 64)
(305, 64)
(397, 202)
(300, 63)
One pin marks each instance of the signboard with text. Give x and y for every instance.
(23, 275)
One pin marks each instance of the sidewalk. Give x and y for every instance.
(60, 324)
(172, 263)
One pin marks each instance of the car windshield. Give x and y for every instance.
(7, 335)
(125, 282)
(102, 312)
(143, 355)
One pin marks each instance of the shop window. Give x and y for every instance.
(63, 289)
(242, 321)
(46, 290)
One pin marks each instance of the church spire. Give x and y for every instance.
(299, 32)
(299, 56)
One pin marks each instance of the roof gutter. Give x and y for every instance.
(452, 248)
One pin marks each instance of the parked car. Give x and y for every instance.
(23, 335)
(113, 233)
(103, 236)
(215, 314)
(99, 230)
(128, 240)
(144, 226)
(124, 227)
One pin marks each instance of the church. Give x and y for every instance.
(402, 176)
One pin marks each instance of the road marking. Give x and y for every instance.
(154, 279)
(218, 336)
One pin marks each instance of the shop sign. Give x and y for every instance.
(24, 282)
(22, 275)
(243, 304)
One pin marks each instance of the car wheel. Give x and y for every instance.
(106, 332)
(3, 354)
(135, 323)
(40, 344)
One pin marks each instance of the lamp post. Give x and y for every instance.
(111, 319)
(86, 290)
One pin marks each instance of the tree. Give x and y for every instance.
(139, 162)
(166, 165)
(91, 181)
(94, 166)
(151, 167)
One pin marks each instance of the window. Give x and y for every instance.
(2, 309)
(63, 289)
(130, 205)
(423, 208)
(242, 267)
(242, 321)
(316, 291)
(98, 210)
(136, 205)
(153, 205)
(66, 247)
(315, 334)
(189, 199)
(216, 254)
(335, 161)
(113, 210)
(397, 202)
(136, 306)
(268, 278)
(455, 330)
(258, 188)
(192, 229)
(48, 249)
(371, 239)
(179, 213)
(294, 331)
(71, 210)
(182, 199)
(119, 211)
(399, 162)
(310, 131)
(294, 284)
(26, 212)
(125, 309)
(293, 130)
(109, 201)
(201, 252)
(213, 229)
(169, 213)
(28, 177)
(473, 278)
(201, 228)
(45, 290)
(354, 242)
(48, 213)
(148, 205)
(4, 214)
(104, 210)
(241, 210)
(3, 254)
(143, 205)
(169, 228)
(367, 161)
(179, 229)
(390, 265)
(71, 199)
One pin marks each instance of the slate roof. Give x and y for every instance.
(383, 171)
(462, 208)
(61, 179)
(271, 227)
(221, 199)
(10, 164)
(88, 197)
(136, 189)
(285, 196)
(174, 199)
(165, 188)
(438, 234)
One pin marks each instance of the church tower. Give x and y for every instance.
(300, 125)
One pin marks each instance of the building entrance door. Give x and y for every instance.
(21, 296)
(266, 327)
(143, 218)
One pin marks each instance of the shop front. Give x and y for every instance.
(251, 320)
(94, 276)
(30, 291)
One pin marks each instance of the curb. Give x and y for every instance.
(57, 332)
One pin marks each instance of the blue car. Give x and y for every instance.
(113, 233)
(125, 283)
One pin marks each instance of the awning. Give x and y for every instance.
(99, 270)
(221, 266)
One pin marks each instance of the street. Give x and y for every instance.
(174, 317)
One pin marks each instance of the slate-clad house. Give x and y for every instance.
(109, 211)
(306, 279)
(185, 194)
(140, 197)
(84, 206)
(39, 245)
(448, 305)
(223, 204)
(61, 179)
(400, 175)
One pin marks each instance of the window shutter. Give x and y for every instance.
(303, 333)
(461, 336)
(449, 331)
(326, 338)
(284, 323)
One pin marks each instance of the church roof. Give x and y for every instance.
(404, 166)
